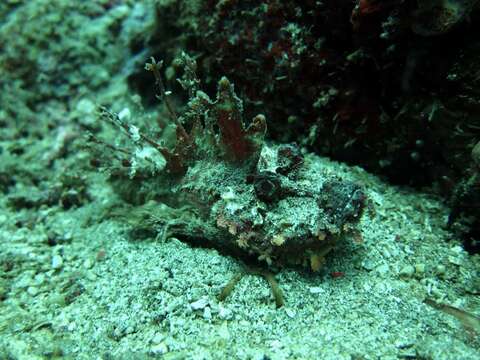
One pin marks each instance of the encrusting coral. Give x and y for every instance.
(223, 186)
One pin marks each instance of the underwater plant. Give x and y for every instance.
(222, 185)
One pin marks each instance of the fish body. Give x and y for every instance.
(224, 186)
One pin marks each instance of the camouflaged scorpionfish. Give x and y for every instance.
(224, 186)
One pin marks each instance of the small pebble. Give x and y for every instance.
(199, 304)
(441, 269)
(56, 299)
(88, 263)
(315, 290)
(85, 106)
(224, 313)
(407, 271)
(91, 276)
(383, 269)
(159, 349)
(419, 269)
(57, 262)
(39, 279)
(32, 290)
(125, 114)
(290, 313)
(24, 281)
(386, 254)
(157, 338)
(368, 265)
(207, 313)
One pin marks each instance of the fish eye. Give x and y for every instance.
(267, 186)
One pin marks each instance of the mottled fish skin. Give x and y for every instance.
(281, 218)
(225, 186)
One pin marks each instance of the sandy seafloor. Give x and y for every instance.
(74, 284)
